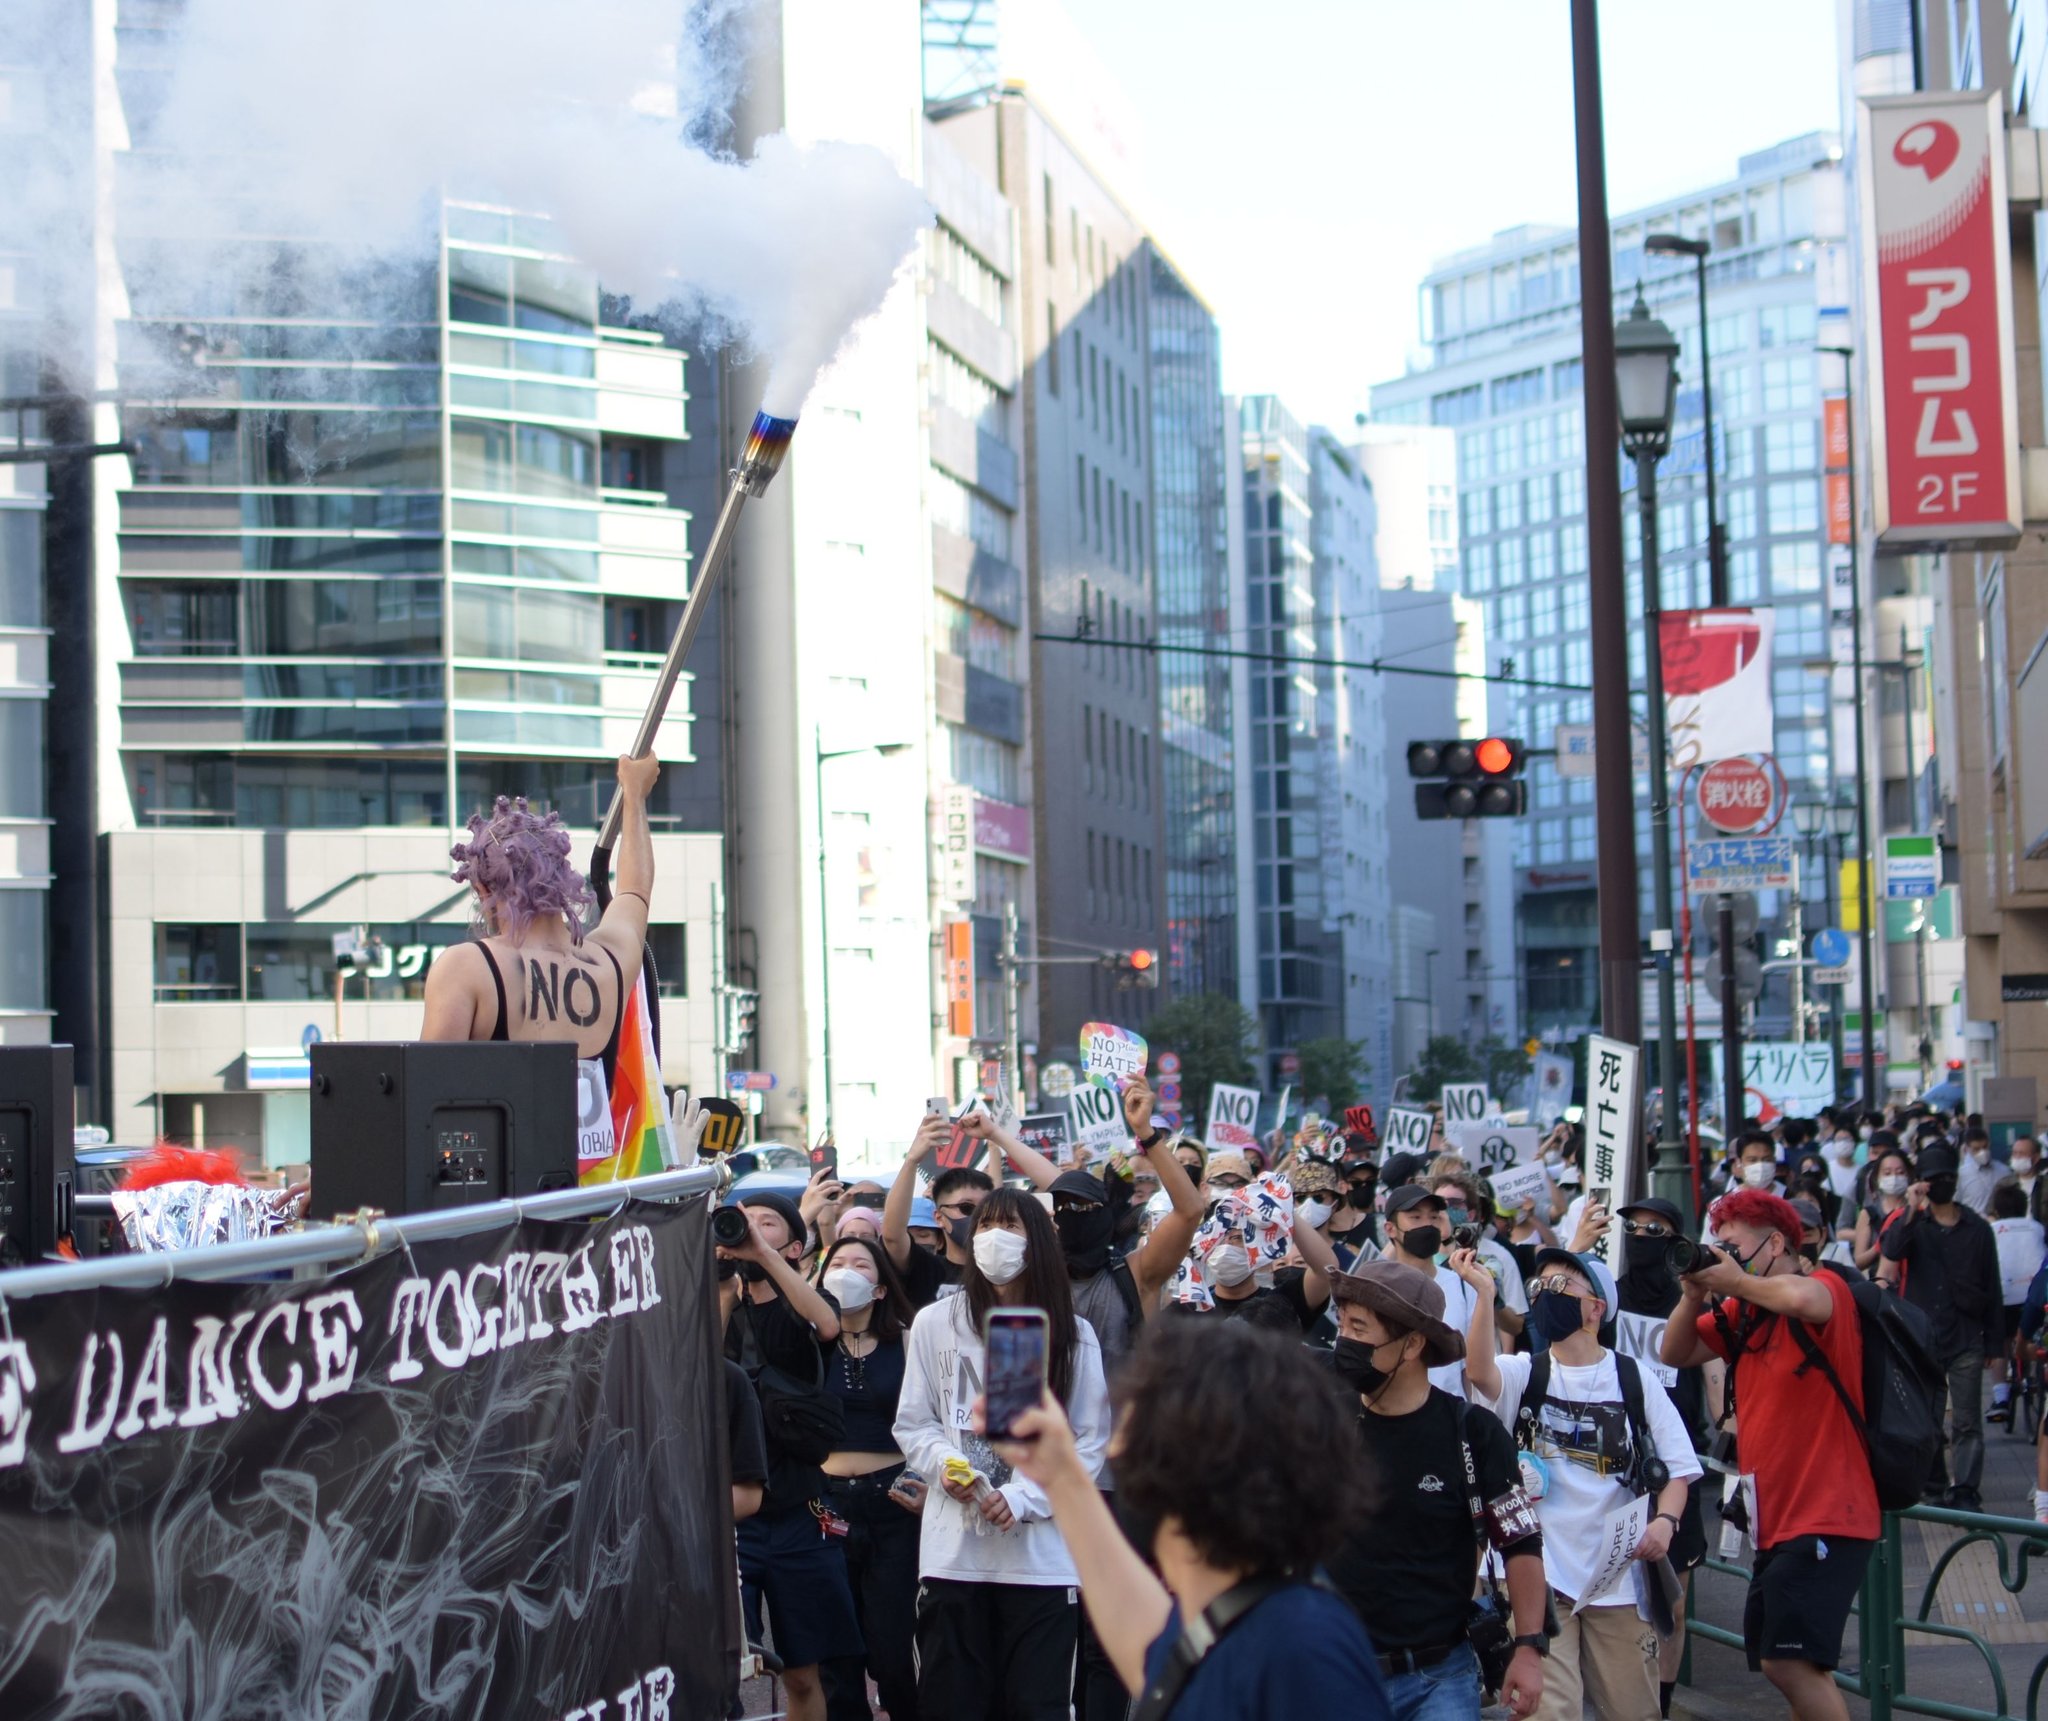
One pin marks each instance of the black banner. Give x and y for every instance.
(482, 1478)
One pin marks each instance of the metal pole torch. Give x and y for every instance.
(1614, 789)
(766, 446)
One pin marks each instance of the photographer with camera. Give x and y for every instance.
(1811, 1499)
(792, 1569)
(1595, 1429)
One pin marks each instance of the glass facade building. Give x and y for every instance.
(1190, 546)
(1502, 326)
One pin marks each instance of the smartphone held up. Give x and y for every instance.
(1014, 1344)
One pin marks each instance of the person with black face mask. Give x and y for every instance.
(1410, 1569)
(1650, 1290)
(1356, 1221)
(1947, 1256)
(1417, 1229)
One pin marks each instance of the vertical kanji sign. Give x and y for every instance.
(1937, 268)
(1613, 1137)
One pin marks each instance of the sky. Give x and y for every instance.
(1307, 160)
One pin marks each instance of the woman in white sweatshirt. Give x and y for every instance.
(998, 1608)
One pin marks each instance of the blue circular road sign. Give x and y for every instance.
(1832, 948)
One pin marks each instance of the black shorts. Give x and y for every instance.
(791, 1570)
(1799, 1598)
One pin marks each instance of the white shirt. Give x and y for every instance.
(1842, 1179)
(1459, 1302)
(1507, 1277)
(2020, 1250)
(943, 1369)
(1577, 1499)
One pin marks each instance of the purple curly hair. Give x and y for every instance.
(520, 860)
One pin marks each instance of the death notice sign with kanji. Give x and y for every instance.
(1612, 1133)
(479, 1478)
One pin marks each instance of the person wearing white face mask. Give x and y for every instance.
(1889, 1176)
(997, 1614)
(872, 1505)
(1842, 1167)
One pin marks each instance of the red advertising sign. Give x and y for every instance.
(960, 979)
(1938, 270)
(1734, 795)
(1841, 528)
(1834, 432)
(1717, 682)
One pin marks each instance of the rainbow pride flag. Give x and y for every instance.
(642, 1142)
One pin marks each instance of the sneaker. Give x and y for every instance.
(1964, 1500)
(2041, 1505)
(2000, 1412)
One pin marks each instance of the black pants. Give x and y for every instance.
(881, 1564)
(995, 1652)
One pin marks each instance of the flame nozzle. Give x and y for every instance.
(767, 445)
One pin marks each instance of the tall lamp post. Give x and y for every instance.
(1865, 962)
(820, 760)
(1646, 388)
(1674, 245)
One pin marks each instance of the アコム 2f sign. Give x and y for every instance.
(1938, 274)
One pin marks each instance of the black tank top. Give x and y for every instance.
(609, 1056)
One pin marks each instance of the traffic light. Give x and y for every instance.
(1469, 779)
(1134, 967)
(1749, 966)
(741, 1008)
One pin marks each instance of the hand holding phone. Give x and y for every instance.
(825, 1157)
(1015, 1344)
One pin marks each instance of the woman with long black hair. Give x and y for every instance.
(997, 1618)
(864, 1486)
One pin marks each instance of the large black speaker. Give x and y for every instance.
(36, 1165)
(407, 1126)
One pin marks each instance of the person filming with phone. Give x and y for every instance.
(1223, 1456)
(997, 1619)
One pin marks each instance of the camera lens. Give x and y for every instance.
(728, 1227)
(1465, 1237)
(1683, 1254)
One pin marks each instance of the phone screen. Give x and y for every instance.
(1016, 1366)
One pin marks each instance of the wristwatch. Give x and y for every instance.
(1152, 1141)
(1539, 1641)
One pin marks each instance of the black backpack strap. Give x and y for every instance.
(1533, 1396)
(1198, 1637)
(1631, 1376)
(1818, 1358)
(1126, 1283)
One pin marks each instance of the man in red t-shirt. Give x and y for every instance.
(1815, 1505)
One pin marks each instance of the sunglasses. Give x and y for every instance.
(1226, 1182)
(1561, 1283)
(1655, 1228)
(959, 1209)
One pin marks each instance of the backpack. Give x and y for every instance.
(1643, 1448)
(1900, 1423)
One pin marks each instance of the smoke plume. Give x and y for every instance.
(335, 129)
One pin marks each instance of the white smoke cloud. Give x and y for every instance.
(343, 125)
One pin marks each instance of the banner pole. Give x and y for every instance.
(338, 1245)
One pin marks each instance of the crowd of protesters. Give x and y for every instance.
(1175, 1529)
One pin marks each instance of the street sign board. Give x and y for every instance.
(749, 1081)
(1832, 947)
(1739, 863)
(1573, 743)
(1912, 867)
(1734, 795)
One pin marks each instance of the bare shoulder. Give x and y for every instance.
(454, 984)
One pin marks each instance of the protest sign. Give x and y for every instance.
(1406, 1130)
(1550, 1076)
(1111, 1055)
(1788, 1078)
(1520, 1182)
(1613, 1133)
(483, 1476)
(1620, 1535)
(1233, 1118)
(725, 1125)
(1465, 1102)
(961, 1151)
(1050, 1132)
(1492, 1147)
(1098, 1118)
(1642, 1337)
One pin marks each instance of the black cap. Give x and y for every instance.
(1081, 1185)
(1809, 1214)
(776, 1202)
(1937, 1159)
(1400, 1168)
(1411, 1195)
(1665, 1210)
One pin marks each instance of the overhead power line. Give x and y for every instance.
(1375, 666)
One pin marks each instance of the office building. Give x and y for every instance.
(1501, 324)
(391, 542)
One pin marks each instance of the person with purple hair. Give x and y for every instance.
(535, 972)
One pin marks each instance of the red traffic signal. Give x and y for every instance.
(1472, 779)
(1134, 967)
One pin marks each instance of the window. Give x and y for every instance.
(1458, 406)
(1791, 446)
(199, 964)
(1543, 610)
(1786, 325)
(969, 274)
(1052, 351)
(1788, 384)
(1507, 507)
(1513, 393)
(1795, 568)
(1473, 465)
(1571, 543)
(1051, 225)
(1478, 568)
(1795, 505)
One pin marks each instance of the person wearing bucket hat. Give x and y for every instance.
(1595, 1428)
(1409, 1571)
(1318, 1200)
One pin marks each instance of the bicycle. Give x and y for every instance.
(2029, 1389)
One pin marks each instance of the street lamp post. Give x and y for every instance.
(820, 759)
(1673, 245)
(1866, 965)
(1646, 387)
(1621, 979)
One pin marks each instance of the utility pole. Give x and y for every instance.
(1798, 956)
(721, 1009)
(1013, 998)
(1925, 1046)
(1731, 1024)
